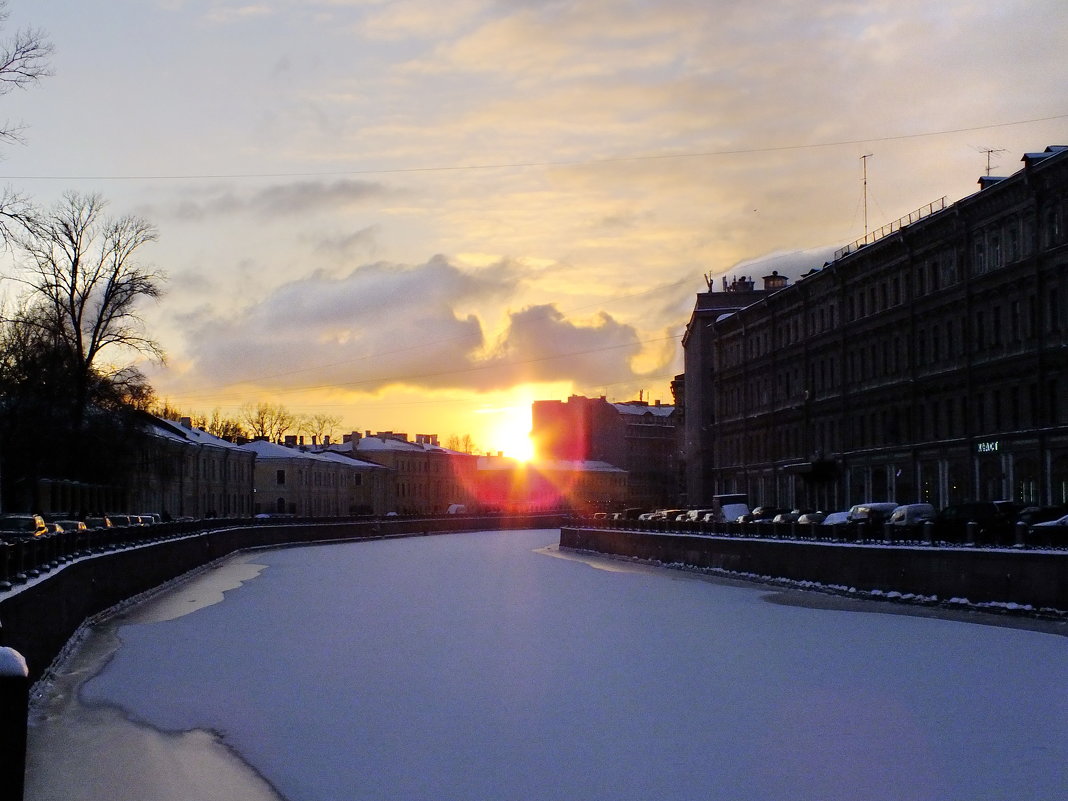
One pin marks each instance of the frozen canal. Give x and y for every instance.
(489, 666)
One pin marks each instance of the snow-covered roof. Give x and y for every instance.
(392, 444)
(175, 431)
(658, 411)
(339, 457)
(272, 450)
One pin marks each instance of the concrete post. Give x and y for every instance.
(14, 709)
(972, 531)
(1021, 533)
(928, 532)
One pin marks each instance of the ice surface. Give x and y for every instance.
(473, 667)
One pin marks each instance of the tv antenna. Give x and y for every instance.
(989, 151)
(864, 167)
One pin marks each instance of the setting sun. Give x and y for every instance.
(510, 433)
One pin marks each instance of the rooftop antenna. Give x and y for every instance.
(989, 151)
(864, 167)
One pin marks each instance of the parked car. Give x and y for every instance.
(1060, 521)
(835, 519)
(98, 521)
(1032, 515)
(72, 525)
(762, 513)
(811, 518)
(872, 512)
(789, 517)
(22, 526)
(951, 524)
(912, 514)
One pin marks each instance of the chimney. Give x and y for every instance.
(186, 422)
(326, 440)
(291, 441)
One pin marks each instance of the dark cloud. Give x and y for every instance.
(346, 244)
(296, 198)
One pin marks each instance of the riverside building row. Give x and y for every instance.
(186, 472)
(926, 363)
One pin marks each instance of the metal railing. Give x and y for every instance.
(889, 228)
(968, 535)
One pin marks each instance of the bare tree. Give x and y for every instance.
(267, 420)
(224, 427)
(24, 60)
(321, 425)
(82, 272)
(463, 444)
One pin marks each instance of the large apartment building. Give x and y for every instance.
(927, 362)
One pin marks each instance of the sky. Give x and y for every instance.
(421, 217)
(481, 666)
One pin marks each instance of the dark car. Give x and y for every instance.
(21, 526)
(991, 523)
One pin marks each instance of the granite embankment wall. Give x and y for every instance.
(38, 618)
(1038, 578)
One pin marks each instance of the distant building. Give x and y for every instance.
(926, 362)
(636, 437)
(583, 486)
(187, 472)
(425, 478)
(295, 481)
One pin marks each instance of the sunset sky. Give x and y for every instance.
(422, 216)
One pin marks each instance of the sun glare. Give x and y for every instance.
(511, 434)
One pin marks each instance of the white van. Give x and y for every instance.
(911, 514)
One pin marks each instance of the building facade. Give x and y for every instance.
(928, 363)
(425, 478)
(292, 480)
(187, 472)
(636, 437)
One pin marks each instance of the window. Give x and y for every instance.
(280, 477)
(1012, 249)
(980, 258)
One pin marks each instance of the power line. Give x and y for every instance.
(531, 164)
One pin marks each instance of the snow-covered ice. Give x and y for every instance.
(475, 666)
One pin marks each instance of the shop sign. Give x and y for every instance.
(988, 447)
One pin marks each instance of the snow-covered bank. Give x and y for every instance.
(473, 666)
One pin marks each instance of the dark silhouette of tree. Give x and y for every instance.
(267, 420)
(320, 425)
(84, 284)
